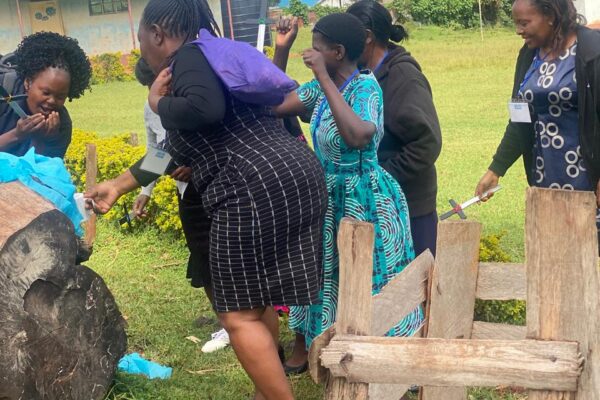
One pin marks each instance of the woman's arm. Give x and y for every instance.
(197, 98)
(356, 132)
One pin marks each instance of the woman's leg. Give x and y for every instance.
(254, 346)
(299, 353)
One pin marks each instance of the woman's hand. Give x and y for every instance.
(30, 125)
(160, 88)
(315, 61)
(139, 205)
(182, 174)
(102, 197)
(488, 181)
(51, 128)
(287, 31)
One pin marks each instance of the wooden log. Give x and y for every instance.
(61, 333)
(488, 330)
(501, 281)
(453, 292)
(454, 362)
(355, 243)
(563, 288)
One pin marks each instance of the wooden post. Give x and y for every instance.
(453, 292)
(21, 25)
(563, 282)
(133, 139)
(91, 173)
(355, 244)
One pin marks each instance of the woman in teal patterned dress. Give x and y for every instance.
(346, 127)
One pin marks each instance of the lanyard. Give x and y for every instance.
(322, 106)
(385, 55)
(536, 64)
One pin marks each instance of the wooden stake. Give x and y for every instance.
(563, 283)
(355, 244)
(91, 174)
(453, 291)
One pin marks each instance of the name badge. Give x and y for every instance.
(519, 111)
(156, 161)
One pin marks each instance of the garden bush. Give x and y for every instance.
(115, 154)
(298, 9)
(459, 13)
(510, 312)
(321, 11)
(108, 67)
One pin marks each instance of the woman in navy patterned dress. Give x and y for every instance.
(263, 189)
(558, 77)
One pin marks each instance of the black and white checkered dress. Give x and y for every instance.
(265, 192)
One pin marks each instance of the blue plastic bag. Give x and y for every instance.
(247, 73)
(46, 176)
(136, 364)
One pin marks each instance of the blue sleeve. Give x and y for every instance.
(309, 93)
(366, 101)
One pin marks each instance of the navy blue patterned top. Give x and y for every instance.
(552, 91)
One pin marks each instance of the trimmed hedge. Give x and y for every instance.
(115, 155)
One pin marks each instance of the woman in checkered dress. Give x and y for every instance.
(264, 190)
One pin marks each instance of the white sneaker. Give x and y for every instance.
(219, 340)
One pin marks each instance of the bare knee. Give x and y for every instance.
(235, 320)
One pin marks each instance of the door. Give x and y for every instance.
(46, 16)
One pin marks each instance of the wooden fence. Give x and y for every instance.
(556, 356)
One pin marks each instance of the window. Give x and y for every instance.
(100, 7)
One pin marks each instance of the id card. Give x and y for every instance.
(156, 161)
(519, 111)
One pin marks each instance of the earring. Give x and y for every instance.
(550, 23)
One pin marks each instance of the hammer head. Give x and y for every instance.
(457, 209)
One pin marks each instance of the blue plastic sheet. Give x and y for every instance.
(136, 364)
(46, 176)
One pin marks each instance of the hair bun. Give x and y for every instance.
(398, 33)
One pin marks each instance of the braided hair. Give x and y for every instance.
(44, 50)
(181, 18)
(378, 20)
(565, 19)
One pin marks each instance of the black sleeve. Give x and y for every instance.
(197, 98)
(413, 121)
(144, 178)
(510, 148)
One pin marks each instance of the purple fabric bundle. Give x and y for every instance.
(247, 73)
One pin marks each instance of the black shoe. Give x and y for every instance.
(300, 369)
(281, 354)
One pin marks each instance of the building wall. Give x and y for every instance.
(96, 34)
(589, 8)
(9, 26)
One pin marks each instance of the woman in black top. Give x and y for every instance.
(558, 77)
(52, 68)
(412, 140)
(264, 190)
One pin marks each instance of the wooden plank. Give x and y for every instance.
(453, 291)
(454, 362)
(488, 330)
(91, 174)
(401, 295)
(501, 281)
(355, 244)
(13, 215)
(318, 373)
(390, 391)
(563, 288)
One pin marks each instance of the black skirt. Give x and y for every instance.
(266, 196)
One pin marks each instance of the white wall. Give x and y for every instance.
(589, 8)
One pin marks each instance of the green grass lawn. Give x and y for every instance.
(471, 80)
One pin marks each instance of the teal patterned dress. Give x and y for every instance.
(358, 188)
